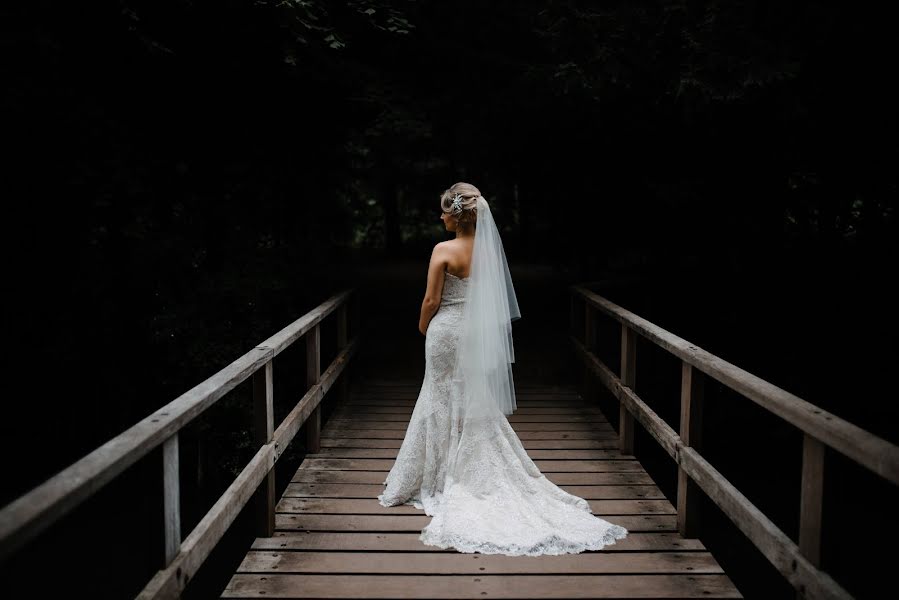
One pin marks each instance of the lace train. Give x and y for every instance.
(484, 492)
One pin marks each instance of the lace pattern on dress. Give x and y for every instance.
(484, 492)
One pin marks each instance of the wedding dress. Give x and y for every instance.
(483, 491)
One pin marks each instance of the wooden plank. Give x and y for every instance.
(559, 444)
(371, 490)
(357, 410)
(524, 435)
(391, 453)
(370, 506)
(377, 384)
(865, 448)
(350, 522)
(688, 493)
(545, 466)
(431, 563)
(342, 391)
(338, 425)
(490, 586)
(171, 493)
(329, 523)
(572, 399)
(576, 478)
(407, 542)
(412, 393)
(313, 375)
(628, 376)
(589, 386)
(348, 416)
(571, 402)
(414, 387)
(263, 431)
(811, 497)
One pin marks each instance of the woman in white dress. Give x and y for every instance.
(461, 461)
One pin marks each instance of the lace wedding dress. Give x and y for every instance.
(483, 491)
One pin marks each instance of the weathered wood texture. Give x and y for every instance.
(27, 516)
(334, 540)
(797, 563)
(169, 582)
(263, 429)
(171, 498)
(865, 448)
(313, 373)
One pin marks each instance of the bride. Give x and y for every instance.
(461, 461)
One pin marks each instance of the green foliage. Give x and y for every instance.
(330, 25)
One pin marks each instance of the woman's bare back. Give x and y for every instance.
(458, 260)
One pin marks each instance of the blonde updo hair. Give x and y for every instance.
(467, 211)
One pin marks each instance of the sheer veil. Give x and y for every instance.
(485, 350)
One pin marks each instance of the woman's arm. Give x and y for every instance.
(434, 288)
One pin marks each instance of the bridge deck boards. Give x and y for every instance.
(334, 540)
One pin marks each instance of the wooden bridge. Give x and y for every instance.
(328, 537)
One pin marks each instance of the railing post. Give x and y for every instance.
(263, 430)
(810, 502)
(572, 317)
(171, 494)
(628, 378)
(590, 345)
(342, 384)
(355, 322)
(313, 374)
(688, 493)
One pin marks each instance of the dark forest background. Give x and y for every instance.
(183, 178)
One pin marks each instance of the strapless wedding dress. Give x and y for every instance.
(483, 491)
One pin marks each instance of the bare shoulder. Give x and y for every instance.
(441, 255)
(452, 249)
(442, 249)
(453, 246)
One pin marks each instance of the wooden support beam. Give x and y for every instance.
(171, 581)
(688, 493)
(810, 503)
(263, 429)
(655, 426)
(590, 386)
(313, 373)
(773, 543)
(343, 383)
(171, 495)
(628, 379)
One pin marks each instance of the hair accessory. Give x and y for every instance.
(456, 207)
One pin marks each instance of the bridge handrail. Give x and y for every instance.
(865, 448)
(28, 515)
(798, 563)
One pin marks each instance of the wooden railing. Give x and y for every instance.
(28, 515)
(798, 563)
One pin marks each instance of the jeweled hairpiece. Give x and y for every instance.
(456, 206)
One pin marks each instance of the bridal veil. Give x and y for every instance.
(485, 353)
